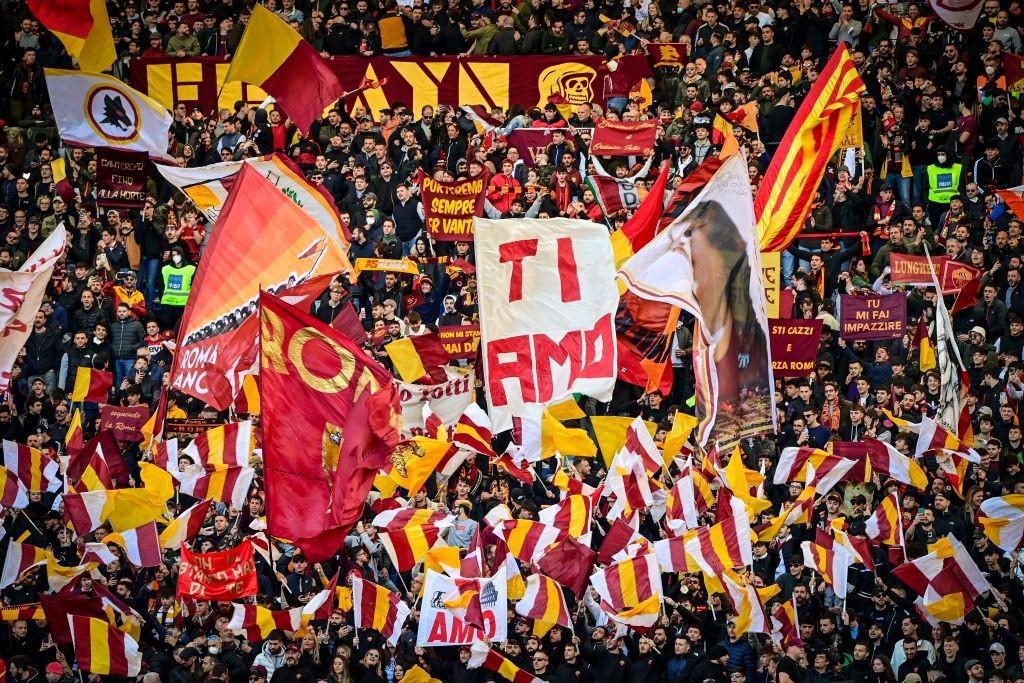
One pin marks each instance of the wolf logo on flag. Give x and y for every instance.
(112, 114)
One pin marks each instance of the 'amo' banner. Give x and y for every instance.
(415, 81)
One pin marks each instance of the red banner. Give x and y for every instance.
(667, 54)
(124, 421)
(449, 207)
(872, 316)
(336, 421)
(955, 275)
(913, 270)
(221, 575)
(794, 346)
(460, 341)
(121, 178)
(533, 141)
(414, 81)
(623, 138)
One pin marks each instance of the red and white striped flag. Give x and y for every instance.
(527, 540)
(640, 442)
(85, 511)
(20, 558)
(12, 491)
(230, 485)
(229, 445)
(473, 431)
(786, 624)
(885, 459)
(407, 535)
(102, 649)
(141, 545)
(35, 469)
(630, 591)
(544, 602)
(378, 608)
(572, 514)
(886, 522)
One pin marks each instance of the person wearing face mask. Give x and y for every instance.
(176, 283)
(944, 177)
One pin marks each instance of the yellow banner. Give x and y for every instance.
(771, 278)
(389, 265)
(855, 133)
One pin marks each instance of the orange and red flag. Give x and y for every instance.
(83, 26)
(784, 198)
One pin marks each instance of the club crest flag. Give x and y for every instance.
(707, 262)
(547, 304)
(96, 110)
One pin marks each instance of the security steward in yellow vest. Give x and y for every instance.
(943, 184)
(176, 284)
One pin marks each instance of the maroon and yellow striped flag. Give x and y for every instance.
(784, 198)
(484, 656)
(102, 649)
(91, 385)
(274, 56)
(544, 603)
(885, 523)
(84, 28)
(378, 608)
(408, 535)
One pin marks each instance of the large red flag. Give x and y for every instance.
(330, 422)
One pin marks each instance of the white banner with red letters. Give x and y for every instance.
(547, 298)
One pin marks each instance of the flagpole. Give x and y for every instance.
(29, 520)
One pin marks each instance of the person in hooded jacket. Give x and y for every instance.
(272, 655)
(712, 667)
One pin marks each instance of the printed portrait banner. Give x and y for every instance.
(439, 627)
(447, 400)
(449, 207)
(208, 188)
(794, 346)
(547, 298)
(953, 275)
(415, 81)
(905, 269)
(220, 575)
(707, 262)
(872, 317)
(460, 341)
(623, 138)
(121, 178)
(124, 421)
(667, 54)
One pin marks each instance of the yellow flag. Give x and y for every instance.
(415, 460)
(556, 437)
(417, 675)
(611, 434)
(566, 410)
(682, 426)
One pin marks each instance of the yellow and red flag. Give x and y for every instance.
(378, 608)
(274, 56)
(544, 603)
(102, 649)
(91, 385)
(419, 358)
(83, 26)
(784, 198)
(723, 135)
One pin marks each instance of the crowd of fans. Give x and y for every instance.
(936, 106)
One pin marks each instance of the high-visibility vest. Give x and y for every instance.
(177, 284)
(943, 183)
